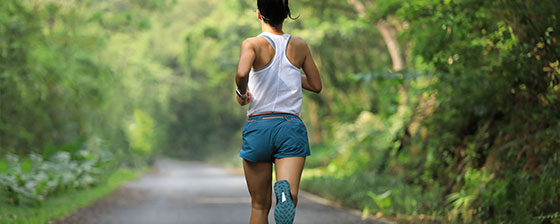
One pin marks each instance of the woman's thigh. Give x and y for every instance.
(259, 181)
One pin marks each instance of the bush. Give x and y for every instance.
(376, 193)
(33, 178)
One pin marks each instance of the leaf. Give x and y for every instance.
(382, 201)
(365, 213)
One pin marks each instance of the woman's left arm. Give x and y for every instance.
(246, 61)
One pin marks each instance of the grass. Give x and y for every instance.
(379, 195)
(57, 206)
(404, 203)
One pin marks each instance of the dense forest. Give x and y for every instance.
(434, 110)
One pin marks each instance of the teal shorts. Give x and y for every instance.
(273, 136)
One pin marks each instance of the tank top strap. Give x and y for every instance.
(279, 42)
(269, 39)
(289, 37)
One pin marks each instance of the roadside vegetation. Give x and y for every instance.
(60, 204)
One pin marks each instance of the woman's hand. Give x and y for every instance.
(245, 101)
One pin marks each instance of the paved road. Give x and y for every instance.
(188, 192)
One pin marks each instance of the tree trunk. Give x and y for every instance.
(389, 36)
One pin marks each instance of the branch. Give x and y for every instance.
(390, 37)
(387, 31)
(359, 7)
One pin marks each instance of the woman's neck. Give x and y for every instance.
(271, 29)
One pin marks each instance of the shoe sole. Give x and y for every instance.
(284, 212)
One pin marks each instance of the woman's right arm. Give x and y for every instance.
(312, 79)
(246, 60)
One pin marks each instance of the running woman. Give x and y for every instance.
(269, 79)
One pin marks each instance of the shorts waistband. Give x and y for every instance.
(272, 113)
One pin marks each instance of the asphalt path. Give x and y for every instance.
(198, 193)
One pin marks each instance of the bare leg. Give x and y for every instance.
(259, 182)
(290, 169)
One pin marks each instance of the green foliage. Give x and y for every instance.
(375, 193)
(141, 133)
(462, 201)
(492, 84)
(479, 122)
(382, 201)
(34, 179)
(62, 81)
(66, 97)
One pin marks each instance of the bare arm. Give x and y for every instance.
(305, 83)
(246, 60)
(311, 80)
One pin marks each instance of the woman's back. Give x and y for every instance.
(265, 52)
(274, 80)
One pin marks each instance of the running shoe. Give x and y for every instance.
(285, 211)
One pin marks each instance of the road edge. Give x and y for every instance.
(323, 201)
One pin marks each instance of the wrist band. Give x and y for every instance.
(242, 96)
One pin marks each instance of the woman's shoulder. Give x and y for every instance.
(298, 41)
(299, 44)
(254, 42)
(250, 41)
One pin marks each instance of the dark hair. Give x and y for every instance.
(274, 12)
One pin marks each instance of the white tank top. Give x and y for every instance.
(277, 86)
